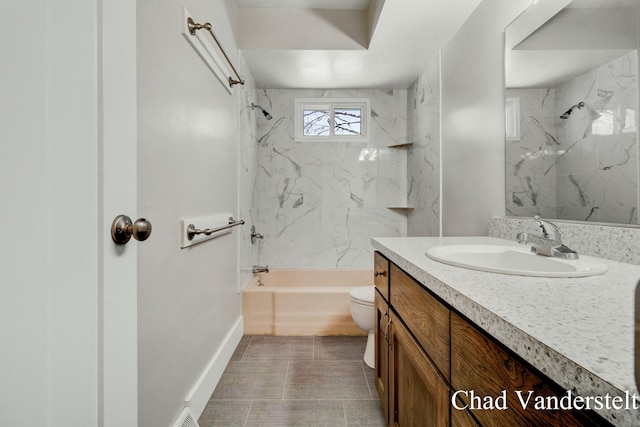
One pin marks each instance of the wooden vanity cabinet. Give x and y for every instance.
(425, 352)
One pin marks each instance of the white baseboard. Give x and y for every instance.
(199, 396)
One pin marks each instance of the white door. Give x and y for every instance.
(68, 310)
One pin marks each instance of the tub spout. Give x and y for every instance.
(260, 269)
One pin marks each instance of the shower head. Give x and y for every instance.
(266, 114)
(566, 114)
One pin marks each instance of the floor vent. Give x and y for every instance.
(186, 419)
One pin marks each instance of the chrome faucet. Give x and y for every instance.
(549, 243)
(260, 269)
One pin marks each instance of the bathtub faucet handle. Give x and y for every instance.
(255, 235)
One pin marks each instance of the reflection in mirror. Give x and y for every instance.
(574, 81)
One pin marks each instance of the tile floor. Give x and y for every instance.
(295, 381)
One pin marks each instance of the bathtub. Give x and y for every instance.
(302, 302)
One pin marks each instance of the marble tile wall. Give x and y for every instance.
(321, 202)
(583, 168)
(248, 172)
(530, 161)
(423, 157)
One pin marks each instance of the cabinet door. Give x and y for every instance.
(418, 394)
(462, 418)
(480, 365)
(382, 353)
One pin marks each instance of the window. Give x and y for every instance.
(614, 121)
(512, 119)
(603, 123)
(324, 119)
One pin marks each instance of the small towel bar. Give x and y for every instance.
(192, 231)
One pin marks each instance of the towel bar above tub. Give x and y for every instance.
(192, 231)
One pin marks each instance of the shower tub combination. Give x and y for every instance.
(302, 302)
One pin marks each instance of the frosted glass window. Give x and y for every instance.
(629, 125)
(603, 125)
(512, 119)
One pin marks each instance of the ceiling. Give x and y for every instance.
(567, 45)
(306, 4)
(345, 43)
(595, 4)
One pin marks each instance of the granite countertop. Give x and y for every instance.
(577, 331)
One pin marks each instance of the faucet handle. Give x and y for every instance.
(544, 225)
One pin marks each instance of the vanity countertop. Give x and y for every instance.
(577, 331)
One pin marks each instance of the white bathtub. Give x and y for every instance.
(302, 302)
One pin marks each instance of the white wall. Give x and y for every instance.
(187, 167)
(473, 170)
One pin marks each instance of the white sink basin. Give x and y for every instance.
(516, 260)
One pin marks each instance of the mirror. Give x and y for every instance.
(572, 111)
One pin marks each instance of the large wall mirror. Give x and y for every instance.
(572, 111)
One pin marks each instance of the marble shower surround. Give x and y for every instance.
(423, 157)
(565, 169)
(320, 202)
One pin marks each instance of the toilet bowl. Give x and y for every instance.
(361, 304)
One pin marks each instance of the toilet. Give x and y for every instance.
(361, 305)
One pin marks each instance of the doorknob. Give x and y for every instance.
(123, 228)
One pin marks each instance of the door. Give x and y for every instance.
(68, 167)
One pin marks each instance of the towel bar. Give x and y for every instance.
(192, 231)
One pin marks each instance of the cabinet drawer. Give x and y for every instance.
(381, 274)
(479, 364)
(425, 316)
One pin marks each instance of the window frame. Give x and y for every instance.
(512, 119)
(332, 104)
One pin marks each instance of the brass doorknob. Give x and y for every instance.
(123, 228)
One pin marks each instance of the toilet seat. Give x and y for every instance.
(362, 294)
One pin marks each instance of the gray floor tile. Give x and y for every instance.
(303, 413)
(369, 374)
(242, 347)
(339, 348)
(268, 348)
(252, 380)
(326, 380)
(225, 413)
(274, 381)
(363, 413)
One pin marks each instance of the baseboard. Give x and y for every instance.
(199, 396)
